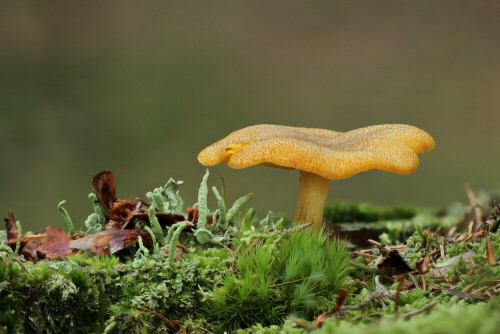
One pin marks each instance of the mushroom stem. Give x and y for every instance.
(313, 191)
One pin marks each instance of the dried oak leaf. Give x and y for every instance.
(110, 241)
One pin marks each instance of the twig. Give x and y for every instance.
(382, 248)
(206, 330)
(376, 314)
(170, 324)
(295, 281)
(22, 266)
(414, 281)
(226, 248)
(146, 203)
(233, 266)
(475, 205)
(396, 299)
(253, 244)
(420, 310)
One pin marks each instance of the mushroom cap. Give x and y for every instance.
(330, 154)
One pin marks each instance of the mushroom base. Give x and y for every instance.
(313, 191)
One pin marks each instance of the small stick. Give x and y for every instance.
(376, 314)
(253, 244)
(473, 202)
(22, 266)
(441, 248)
(396, 299)
(414, 281)
(382, 248)
(146, 203)
(226, 248)
(295, 281)
(206, 330)
(362, 254)
(168, 322)
(420, 310)
(233, 266)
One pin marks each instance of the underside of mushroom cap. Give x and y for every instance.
(333, 155)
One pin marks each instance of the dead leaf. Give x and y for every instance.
(179, 253)
(118, 210)
(52, 240)
(441, 269)
(458, 293)
(54, 245)
(490, 254)
(394, 264)
(110, 241)
(342, 295)
(165, 219)
(423, 265)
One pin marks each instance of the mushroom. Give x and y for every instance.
(320, 156)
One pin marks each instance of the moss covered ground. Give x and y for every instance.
(232, 270)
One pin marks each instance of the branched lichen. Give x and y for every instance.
(66, 217)
(19, 236)
(222, 206)
(202, 203)
(231, 213)
(174, 239)
(155, 224)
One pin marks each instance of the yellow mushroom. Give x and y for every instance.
(321, 155)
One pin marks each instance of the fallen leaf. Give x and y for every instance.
(52, 240)
(458, 293)
(490, 254)
(443, 268)
(110, 241)
(342, 295)
(394, 264)
(179, 253)
(118, 210)
(423, 265)
(54, 245)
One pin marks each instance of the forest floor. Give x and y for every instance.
(150, 265)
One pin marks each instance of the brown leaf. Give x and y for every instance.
(423, 265)
(26, 239)
(318, 321)
(110, 241)
(458, 293)
(103, 184)
(394, 264)
(10, 227)
(54, 245)
(490, 254)
(193, 215)
(118, 210)
(165, 219)
(179, 252)
(441, 269)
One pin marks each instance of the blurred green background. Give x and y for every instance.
(141, 87)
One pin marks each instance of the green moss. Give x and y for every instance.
(299, 275)
(343, 212)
